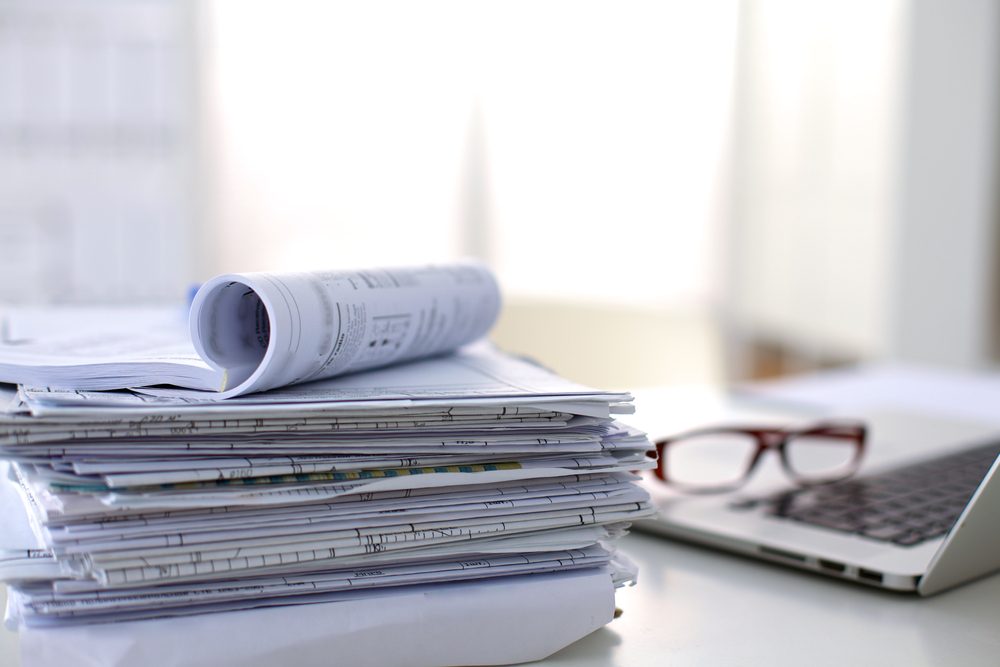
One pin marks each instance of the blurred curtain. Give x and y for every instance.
(863, 213)
(579, 147)
(96, 151)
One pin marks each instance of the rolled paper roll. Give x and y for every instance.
(267, 330)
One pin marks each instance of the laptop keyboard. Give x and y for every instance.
(906, 506)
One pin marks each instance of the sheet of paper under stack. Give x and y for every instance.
(458, 509)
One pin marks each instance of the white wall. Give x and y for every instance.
(579, 147)
(864, 213)
(96, 106)
(814, 173)
(944, 281)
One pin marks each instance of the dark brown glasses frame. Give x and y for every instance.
(769, 438)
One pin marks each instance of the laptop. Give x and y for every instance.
(919, 516)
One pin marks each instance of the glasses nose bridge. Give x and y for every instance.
(771, 439)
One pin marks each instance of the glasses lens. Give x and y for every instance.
(821, 457)
(708, 461)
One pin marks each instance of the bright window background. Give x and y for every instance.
(334, 132)
(607, 127)
(816, 173)
(96, 134)
(572, 145)
(668, 191)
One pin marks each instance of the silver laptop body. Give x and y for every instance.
(970, 549)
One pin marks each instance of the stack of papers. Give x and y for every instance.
(155, 502)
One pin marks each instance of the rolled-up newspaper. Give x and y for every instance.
(267, 330)
(256, 331)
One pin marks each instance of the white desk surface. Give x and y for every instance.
(694, 606)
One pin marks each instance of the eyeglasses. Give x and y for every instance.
(715, 460)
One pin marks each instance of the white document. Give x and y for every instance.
(65, 526)
(284, 521)
(477, 375)
(502, 621)
(266, 330)
(257, 331)
(43, 606)
(281, 495)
